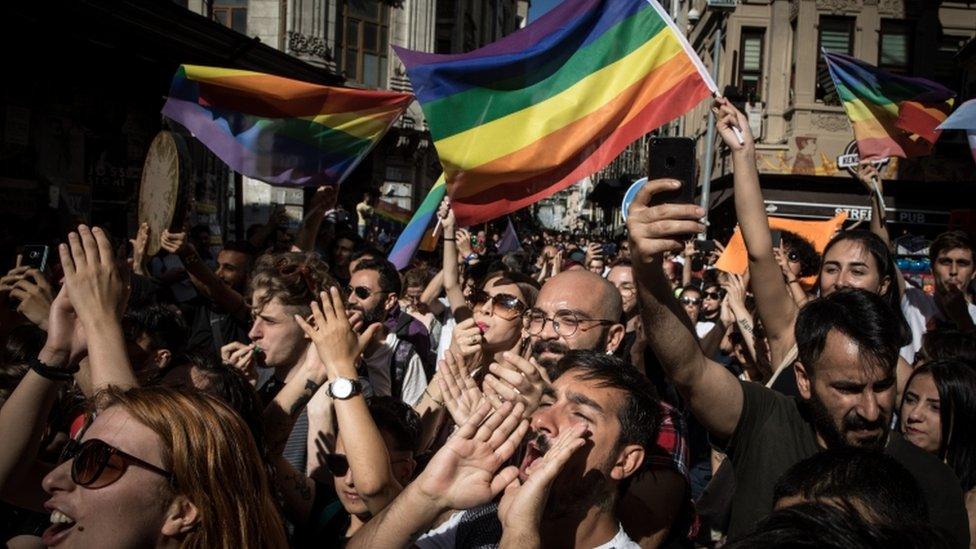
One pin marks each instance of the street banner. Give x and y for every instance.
(531, 114)
(964, 119)
(413, 233)
(279, 130)
(891, 115)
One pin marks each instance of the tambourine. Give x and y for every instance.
(166, 188)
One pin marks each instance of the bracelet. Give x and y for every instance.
(794, 281)
(448, 239)
(52, 373)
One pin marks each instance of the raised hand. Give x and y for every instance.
(516, 378)
(521, 507)
(468, 341)
(658, 229)
(139, 246)
(869, 177)
(463, 240)
(464, 472)
(243, 357)
(97, 287)
(337, 344)
(735, 293)
(729, 117)
(35, 295)
(175, 243)
(325, 198)
(66, 339)
(460, 392)
(446, 216)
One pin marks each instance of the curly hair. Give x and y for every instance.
(807, 255)
(294, 278)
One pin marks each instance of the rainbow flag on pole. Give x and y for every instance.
(531, 114)
(279, 130)
(891, 115)
(413, 233)
(964, 119)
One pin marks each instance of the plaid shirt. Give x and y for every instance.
(671, 447)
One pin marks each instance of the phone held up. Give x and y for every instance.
(35, 256)
(672, 158)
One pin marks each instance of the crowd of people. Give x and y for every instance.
(297, 390)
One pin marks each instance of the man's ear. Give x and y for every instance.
(181, 517)
(391, 302)
(614, 336)
(804, 381)
(629, 460)
(161, 358)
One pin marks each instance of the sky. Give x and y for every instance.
(540, 7)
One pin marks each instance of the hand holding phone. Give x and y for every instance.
(35, 256)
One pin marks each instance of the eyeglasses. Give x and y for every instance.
(96, 464)
(690, 300)
(362, 292)
(506, 306)
(287, 269)
(338, 464)
(564, 323)
(714, 295)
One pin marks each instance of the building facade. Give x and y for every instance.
(770, 66)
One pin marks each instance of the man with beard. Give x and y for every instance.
(848, 347)
(398, 360)
(589, 437)
(221, 316)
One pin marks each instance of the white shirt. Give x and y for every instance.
(702, 328)
(620, 541)
(378, 368)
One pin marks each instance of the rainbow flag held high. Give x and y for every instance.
(392, 212)
(531, 114)
(279, 130)
(406, 245)
(891, 115)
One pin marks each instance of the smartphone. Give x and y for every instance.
(672, 158)
(777, 238)
(35, 256)
(705, 246)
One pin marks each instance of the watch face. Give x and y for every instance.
(341, 388)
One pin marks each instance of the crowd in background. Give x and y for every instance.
(296, 389)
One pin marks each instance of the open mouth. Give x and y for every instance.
(61, 526)
(534, 450)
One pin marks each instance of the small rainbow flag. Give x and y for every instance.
(891, 115)
(406, 245)
(531, 114)
(279, 130)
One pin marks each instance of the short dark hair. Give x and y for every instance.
(243, 247)
(873, 482)
(956, 383)
(418, 276)
(370, 251)
(690, 287)
(197, 229)
(807, 255)
(162, 323)
(640, 416)
(398, 419)
(389, 277)
(946, 343)
(827, 526)
(858, 314)
(947, 241)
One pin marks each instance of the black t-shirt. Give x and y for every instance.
(211, 329)
(773, 434)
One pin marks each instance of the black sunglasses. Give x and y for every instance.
(793, 257)
(362, 292)
(714, 295)
(506, 306)
(691, 300)
(96, 464)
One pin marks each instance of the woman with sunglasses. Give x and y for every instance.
(938, 411)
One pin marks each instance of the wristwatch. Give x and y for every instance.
(343, 388)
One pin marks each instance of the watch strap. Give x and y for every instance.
(53, 373)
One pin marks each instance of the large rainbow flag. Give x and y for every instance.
(406, 245)
(531, 114)
(280, 130)
(891, 115)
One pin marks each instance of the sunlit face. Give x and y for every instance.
(275, 331)
(500, 333)
(597, 266)
(848, 264)
(129, 512)
(851, 401)
(712, 301)
(954, 268)
(622, 276)
(920, 420)
(691, 301)
(402, 465)
(586, 476)
(377, 304)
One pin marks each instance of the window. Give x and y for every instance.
(947, 69)
(792, 61)
(751, 63)
(836, 35)
(232, 14)
(365, 35)
(895, 47)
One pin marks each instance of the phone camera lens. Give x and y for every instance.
(670, 162)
